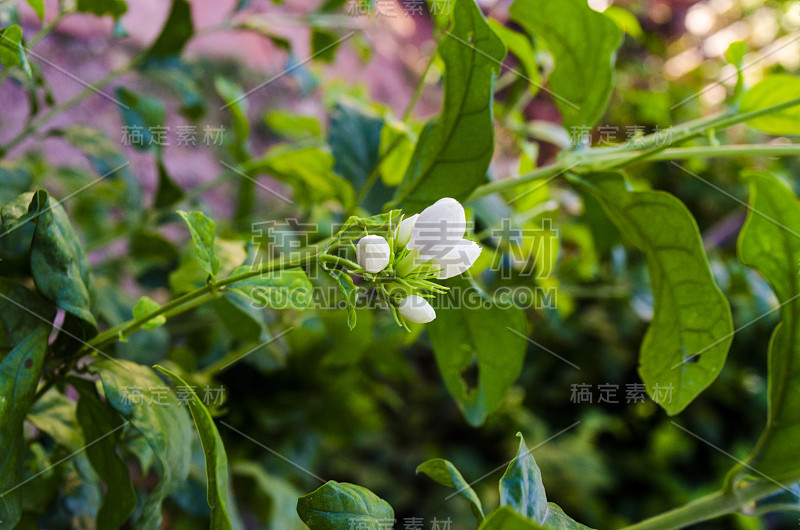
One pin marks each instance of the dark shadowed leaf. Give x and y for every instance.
(19, 374)
(214, 451)
(164, 423)
(103, 426)
(58, 263)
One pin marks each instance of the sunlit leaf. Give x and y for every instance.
(446, 474)
(454, 150)
(582, 80)
(687, 342)
(203, 232)
(770, 243)
(773, 90)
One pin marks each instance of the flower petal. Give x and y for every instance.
(373, 253)
(437, 228)
(460, 258)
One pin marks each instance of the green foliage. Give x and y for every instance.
(521, 486)
(203, 232)
(774, 89)
(144, 307)
(214, 451)
(10, 46)
(465, 338)
(769, 243)
(115, 8)
(688, 339)
(102, 425)
(446, 474)
(583, 58)
(58, 263)
(20, 371)
(460, 141)
(338, 506)
(166, 427)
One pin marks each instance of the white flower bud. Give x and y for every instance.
(458, 259)
(373, 253)
(403, 231)
(438, 228)
(416, 309)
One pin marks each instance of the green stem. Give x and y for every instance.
(648, 147)
(708, 507)
(195, 298)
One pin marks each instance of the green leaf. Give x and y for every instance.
(521, 485)
(504, 518)
(770, 242)
(103, 427)
(115, 8)
(54, 413)
(177, 31)
(324, 44)
(446, 474)
(773, 90)
(22, 311)
(340, 506)
(142, 114)
(583, 43)
(291, 125)
(58, 263)
(19, 374)
(687, 342)
(521, 46)
(236, 103)
(453, 152)
(164, 424)
(355, 141)
(10, 40)
(282, 289)
(214, 451)
(203, 232)
(168, 192)
(144, 307)
(239, 317)
(281, 494)
(558, 520)
(466, 335)
(38, 6)
(308, 170)
(350, 292)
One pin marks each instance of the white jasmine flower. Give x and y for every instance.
(437, 229)
(458, 259)
(373, 253)
(403, 232)
(414, 308)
